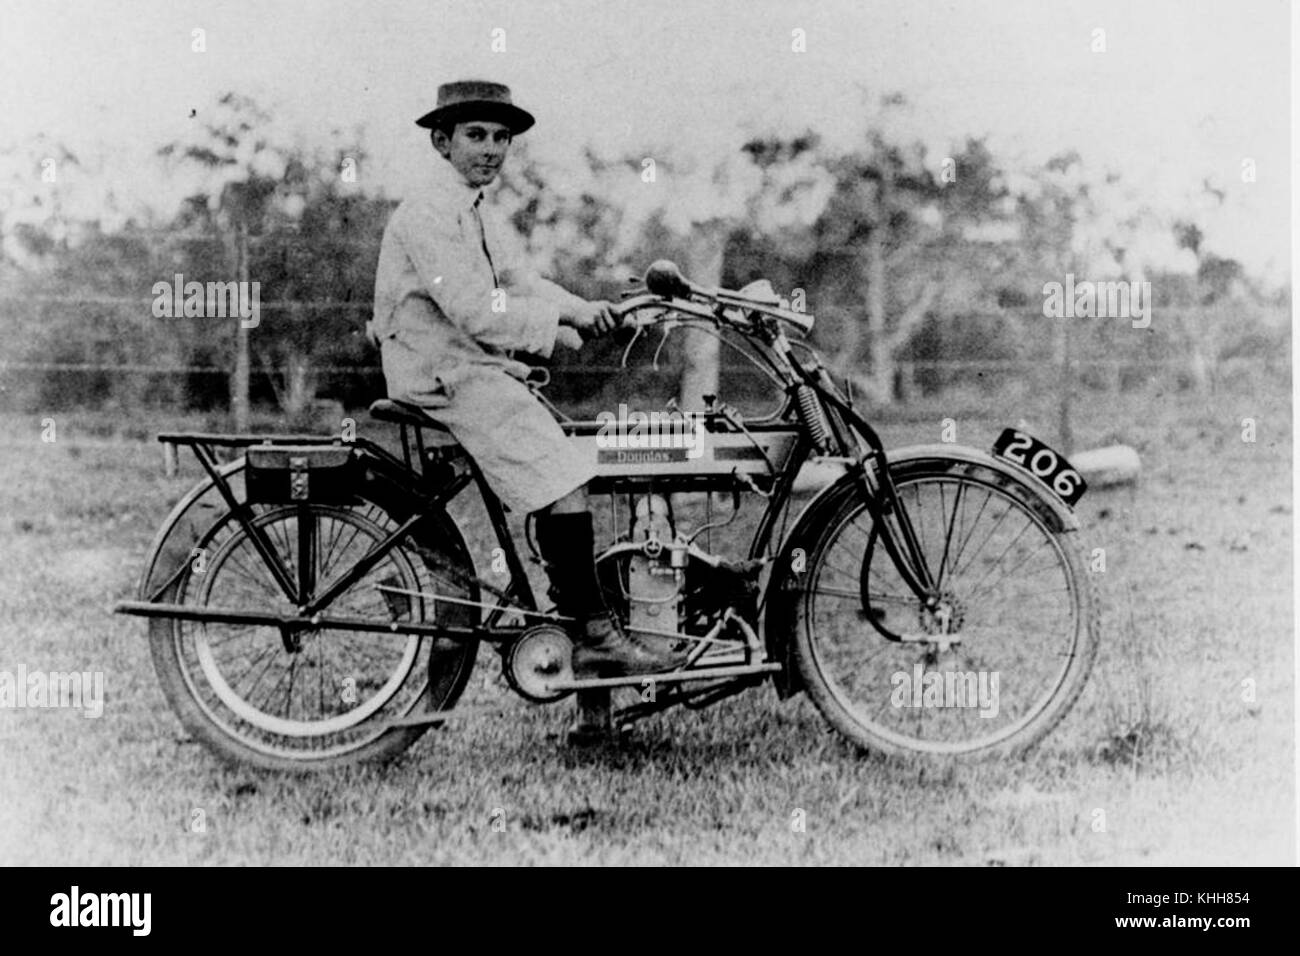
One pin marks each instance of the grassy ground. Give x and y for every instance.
(1167, 759)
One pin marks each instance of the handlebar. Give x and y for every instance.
(627, 310)
(669, 290)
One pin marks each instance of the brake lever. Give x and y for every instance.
(668, 328)
(636, 334)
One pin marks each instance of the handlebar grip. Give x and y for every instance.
(665, 279)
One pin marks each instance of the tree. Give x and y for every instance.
(296, 222)
(43, 199)
(672, 201)
(898, 240)
(240, 169)
(317, 253)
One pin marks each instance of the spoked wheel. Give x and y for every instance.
(310, 698)
(992, 665)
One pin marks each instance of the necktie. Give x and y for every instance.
(483, 239)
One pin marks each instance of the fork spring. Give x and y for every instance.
(811, 414)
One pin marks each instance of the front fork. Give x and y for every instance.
(844, 422)
(894, 525)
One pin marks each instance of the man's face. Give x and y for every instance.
(476, 149)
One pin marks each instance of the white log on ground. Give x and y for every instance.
(1109, 466)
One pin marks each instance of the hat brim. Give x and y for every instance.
(512, 117)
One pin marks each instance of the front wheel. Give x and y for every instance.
(988, 666)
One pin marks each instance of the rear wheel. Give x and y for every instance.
(311, 699)
(992, 665)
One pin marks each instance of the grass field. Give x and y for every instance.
(1181, 750)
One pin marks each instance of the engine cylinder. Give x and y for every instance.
(654, 586)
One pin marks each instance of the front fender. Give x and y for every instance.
(1056, 513)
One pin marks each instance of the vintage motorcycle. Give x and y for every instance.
(313, 603)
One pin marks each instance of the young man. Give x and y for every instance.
(454, 298)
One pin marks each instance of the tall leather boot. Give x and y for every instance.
(600, 646)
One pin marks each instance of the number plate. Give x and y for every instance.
(1049, 467)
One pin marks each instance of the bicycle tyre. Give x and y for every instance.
(449, 663)
(830, 685)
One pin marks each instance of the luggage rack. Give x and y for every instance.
(203, 443)
(374, 458)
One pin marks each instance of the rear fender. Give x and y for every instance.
(177, 542)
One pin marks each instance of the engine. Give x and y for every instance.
(654, 584)
(664, 585)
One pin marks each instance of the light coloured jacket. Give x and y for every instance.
(434, 287)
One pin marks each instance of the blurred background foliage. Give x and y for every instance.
(925, 273)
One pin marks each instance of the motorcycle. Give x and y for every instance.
(312, 602)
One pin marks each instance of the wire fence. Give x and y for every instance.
(987, 352)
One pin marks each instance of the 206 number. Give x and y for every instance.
(1043, 463)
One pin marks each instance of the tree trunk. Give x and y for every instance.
(1065, 361)
(881, 365)
(905, 382)
(1197, 368)
(299, 383)
(901, 385)
(239, 403)
(701, 263)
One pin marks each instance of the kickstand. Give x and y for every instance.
(595, 723)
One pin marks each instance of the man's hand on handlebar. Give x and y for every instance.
(592, 319)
